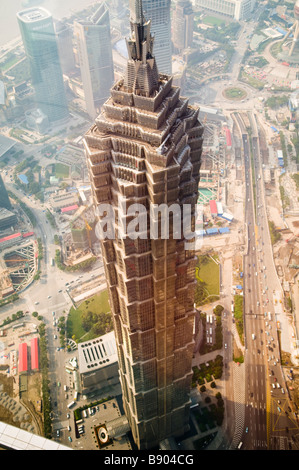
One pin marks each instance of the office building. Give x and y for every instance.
(39, 39)
(37, 120)
(145, 148)
(182, 25)
(64, 36)
(7, 219)
(158, 11)
(4, 198)
(98, 365)
(95, 58)
(235, 9)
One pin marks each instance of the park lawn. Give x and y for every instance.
(211, 20)
(208, 271)
(235, 93)
(96, 304)
(61, 170)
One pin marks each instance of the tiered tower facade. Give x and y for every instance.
(145, 148)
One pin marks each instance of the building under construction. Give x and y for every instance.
(83, 228)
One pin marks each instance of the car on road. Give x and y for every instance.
(246, 430)
(225, 345)
(70, 439)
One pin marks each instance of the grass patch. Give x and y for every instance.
(235, 93)
(207, 275)
(61, 170)
(238, 315)
(97, 304)
(211, 20)
(252, 81)
(274, 234)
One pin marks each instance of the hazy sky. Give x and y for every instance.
(9, 28)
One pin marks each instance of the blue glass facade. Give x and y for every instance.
(38, 34)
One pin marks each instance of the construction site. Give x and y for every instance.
(78, 240)
(18, 267)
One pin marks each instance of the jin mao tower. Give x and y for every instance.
(145, 148)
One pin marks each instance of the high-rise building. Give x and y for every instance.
(159, 13)
(4, 199)
(236, 9)
(182, 25)
(64, 35)
(37, 30)
(95, 58)
(145, 148)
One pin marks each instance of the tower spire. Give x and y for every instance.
(142, 74)
(136, 11)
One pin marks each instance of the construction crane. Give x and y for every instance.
(88, 228)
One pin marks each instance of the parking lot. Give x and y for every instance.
(67, 431)
(100, 415)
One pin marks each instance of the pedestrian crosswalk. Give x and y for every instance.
(239, 403)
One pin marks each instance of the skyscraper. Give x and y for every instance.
(159, 13)
(145, 148)
(182, 30)
(64, 36)
(37, 30)
(95, 58)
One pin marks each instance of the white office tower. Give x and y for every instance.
(158, 11)
(95, 58)
(236, 9)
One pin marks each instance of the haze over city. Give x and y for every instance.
(149, 223)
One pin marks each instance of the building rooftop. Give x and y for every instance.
(6, 144)
(69, 208)
(5, 213)
(10, 237)
(97, 353)
(15, 438)
(34, 14)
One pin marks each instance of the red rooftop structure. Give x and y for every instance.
(228, 138)
(28, 234)
(69, 208)
(23, 363)
(34, 353)
(10, 237)
(213, 208)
